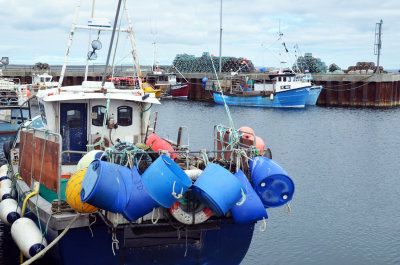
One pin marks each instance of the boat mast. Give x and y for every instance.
(111, 44)
(220, 39)
(134, 54)
(90, 39)
(71, 36)
(153, 68)
(280, 51)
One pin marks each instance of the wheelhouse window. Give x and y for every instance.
(124, 116)
(98, 113)
(74, 119)
(42, 113)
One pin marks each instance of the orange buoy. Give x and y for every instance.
(247, 132)
(157, 143)
(73, 193)
(260, 144)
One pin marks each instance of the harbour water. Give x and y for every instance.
(345, 165)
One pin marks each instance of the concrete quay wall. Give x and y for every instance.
(343, 90)
(346, 90)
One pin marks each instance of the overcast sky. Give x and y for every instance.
(340, 31)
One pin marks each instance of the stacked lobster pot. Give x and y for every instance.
(206, 64)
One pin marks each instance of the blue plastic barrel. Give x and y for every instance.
(140, 202)
(218, 189)
(271, 182)
(107, 186)
(163, 178)
(252, 209)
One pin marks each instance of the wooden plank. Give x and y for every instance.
(25, 155)
(31, 164)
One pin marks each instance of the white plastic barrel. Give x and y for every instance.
(9, 211)
(6, 183)
(5, 189)
(3, 170)
(27, 236)
(88, 158)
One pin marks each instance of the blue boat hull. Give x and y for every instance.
(294, 98)
(12, 125)
(226, 243)
(313, 95)
(9, 127)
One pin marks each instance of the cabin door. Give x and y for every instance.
(73, 129)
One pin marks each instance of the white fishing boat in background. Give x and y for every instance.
(42, 81)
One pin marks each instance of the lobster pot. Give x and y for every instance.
(218, 188)
(140, 202)
(107, 186)
(5, 189)
(9, 211)
(252, 209)
(271, 182)
(164, 179)
(27, 236)
(85, 161)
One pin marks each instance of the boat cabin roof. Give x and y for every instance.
(92, 90)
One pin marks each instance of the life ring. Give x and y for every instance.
(106, 143)
(131, 82)
(183, 217)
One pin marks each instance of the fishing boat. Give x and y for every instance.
(167, 83)
(42, 81)
(97, 185)
(14, 107)
(283, 89)
(133, 83)
(313, 90)
(313, 94)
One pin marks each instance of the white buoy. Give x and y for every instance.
(9, 211)
(27, 236)
(193, 174)
(5, 189)
(85, 161)
(6, 182)
(3, 170)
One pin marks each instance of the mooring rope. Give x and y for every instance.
(226, 105)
